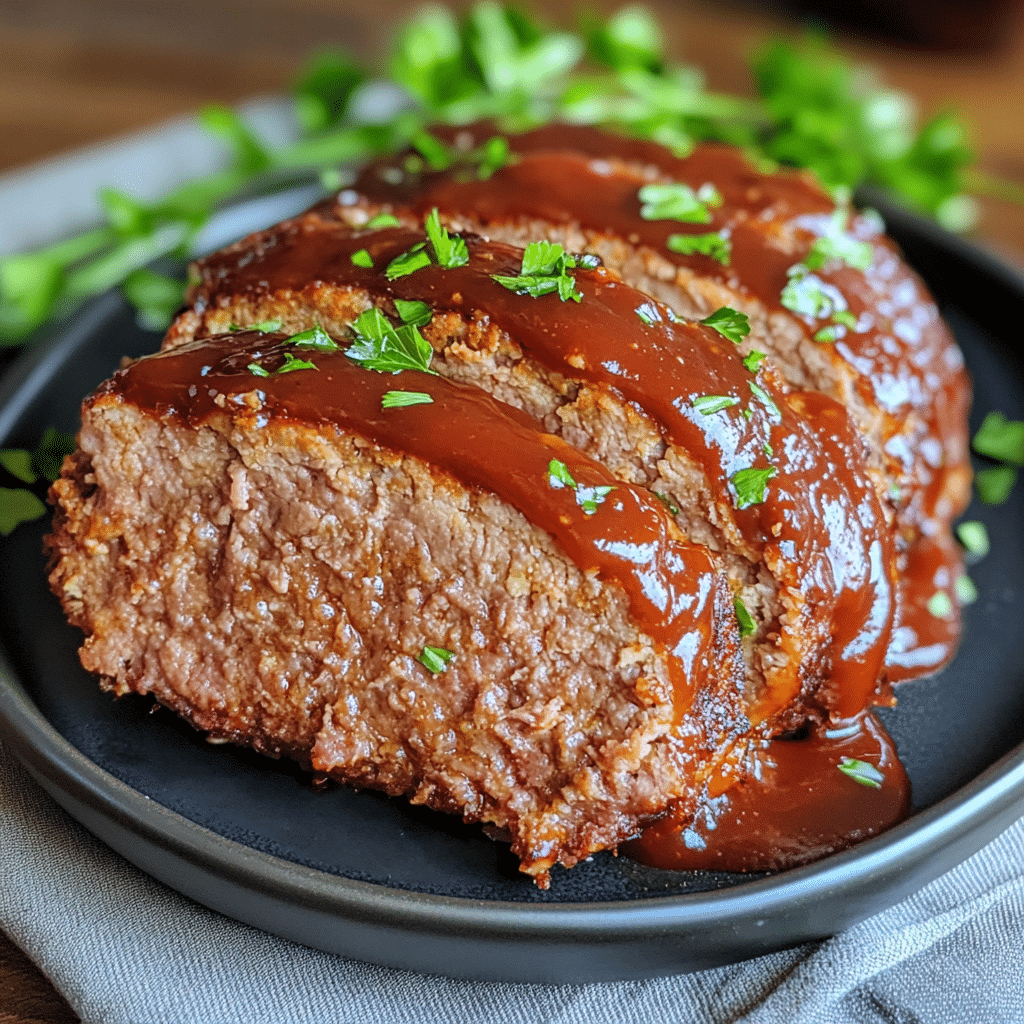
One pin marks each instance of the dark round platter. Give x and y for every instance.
(379, 880)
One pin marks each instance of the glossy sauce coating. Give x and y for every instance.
(904, 359)
(676, 593)
(820, 528)
(795, 807)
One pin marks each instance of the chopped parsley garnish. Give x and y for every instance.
(435, 659)
(1000, 438)
(492, 156)
(402, 399)
(670, 505)
(316, 338)
(766, 400)
(18, 506)
(751, 485)
(974, 538)
(729, 323)
(18, 462)
(263, 327)
(437, 155)
(708, 404)
(966, 591)
(839, 246)
(450, 252)
(545, 269)
(648, 312)
(381, 346)
(290, 365)
(588, 498)
(940, 605)
(748, 627)
(362, 258)
(413, 312)
(408, 262)
(383, 220)
(678, 202)
(713, 244)
(753, 360)
(805, 296)
(862, 772)
(842, 318)
(994, 483)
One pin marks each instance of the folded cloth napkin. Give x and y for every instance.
(124, 949)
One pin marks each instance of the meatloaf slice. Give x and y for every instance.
(812, 557)
(399, 598)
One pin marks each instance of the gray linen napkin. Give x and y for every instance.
(124, 949)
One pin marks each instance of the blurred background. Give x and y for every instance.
(79, 72)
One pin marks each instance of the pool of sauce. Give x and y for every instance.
(794, 806)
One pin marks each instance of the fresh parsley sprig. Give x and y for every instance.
(588, 498)
(381, 346)
(545, 269)
(813, 109)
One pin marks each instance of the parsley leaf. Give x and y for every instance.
(317, 338)
(708, 404)
(435, 659)
(412, 312)
(839, 246)
(402, 399)
(263, 327)
(290, 365)
(18, 462)
(382, 220)
(545, 269)
(1000, 438)
(729, 323)
(966, 591)
(408, 262)
(670, 505)
(450, 252)
(748, 627)
(677, 201)
(380, 346)
(974, 538)
(18, 506)
(713, 244)
(751, 485)
(940, 605)
(559, 475)
(588, 498)
(437, 155)
(753, 360)
(995, 483)
(362, 259)
(862, 772)
(766, 400)
(648, 312)
(805, 294)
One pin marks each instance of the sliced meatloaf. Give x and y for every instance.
(556, 543)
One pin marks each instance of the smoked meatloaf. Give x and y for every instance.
(544, 482)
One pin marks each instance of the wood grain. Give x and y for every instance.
(76, 72)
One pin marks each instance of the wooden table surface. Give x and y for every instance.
(77, 72)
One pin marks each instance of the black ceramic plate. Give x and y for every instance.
(379, 880)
